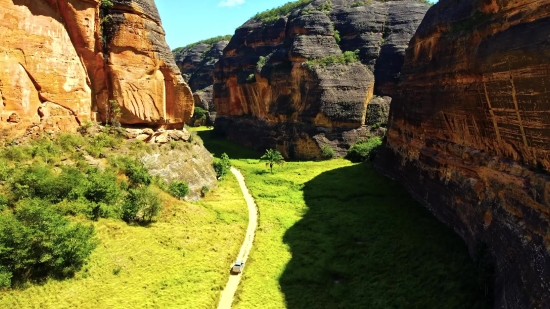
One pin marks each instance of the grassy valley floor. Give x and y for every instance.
(181, 261)
(333, 234)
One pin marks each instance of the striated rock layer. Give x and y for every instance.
(62, 63)
(275, 85)
(469, 135)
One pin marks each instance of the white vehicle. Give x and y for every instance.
(237, 268)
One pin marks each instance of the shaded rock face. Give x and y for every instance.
(55, 71)
(469, 135)
(269, 91)
(197, 63)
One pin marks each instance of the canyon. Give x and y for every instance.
(303, 80)
(468, 135)
(67, 62)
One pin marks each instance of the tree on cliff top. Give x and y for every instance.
(272, 157)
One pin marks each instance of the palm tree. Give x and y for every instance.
(272, 157)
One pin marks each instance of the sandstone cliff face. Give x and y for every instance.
(59, 68)
(275, 86)
(469, 134)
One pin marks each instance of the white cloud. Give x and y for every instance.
(231, 2)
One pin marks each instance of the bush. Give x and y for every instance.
(141, 204)
(179, 189)
(204, 191)
(261, 62)
(222, 166)
(200, 113)
(36, 243)
(3, 203)
(327, 152)
(137, 174)
(364, 150)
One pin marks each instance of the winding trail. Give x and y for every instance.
(229, 292)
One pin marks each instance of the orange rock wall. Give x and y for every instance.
(469, 135)
(55, 71)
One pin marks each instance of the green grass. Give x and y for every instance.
(179, 261)
(333, 234)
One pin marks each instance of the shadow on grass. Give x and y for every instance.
(365, 243)
(217, 146)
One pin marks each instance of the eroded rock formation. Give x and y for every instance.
(62, 63)
(287, 83)
(469, 135)
(197, 63)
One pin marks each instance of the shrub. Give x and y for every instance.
(222, 166)
(5, 170)
(179, 189)
(36, 243)
(364, 150)
(204, 191)
(261, 62)
(337, 36)
(327, 152)
(200, 113)
(141, 204)
(102, 187)
(3, 204)
(137, 174)
(251, 78)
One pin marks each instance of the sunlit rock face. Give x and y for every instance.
(285, 102)
(469, 134)
(58, 69)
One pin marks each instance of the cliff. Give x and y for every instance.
(290, 78)
(197, 63)
(64, 61)
(469, 135)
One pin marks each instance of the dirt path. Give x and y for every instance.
(229, 292)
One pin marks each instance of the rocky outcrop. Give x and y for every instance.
(294, 84)
(64, 61)
(197, 63)
(468, 135)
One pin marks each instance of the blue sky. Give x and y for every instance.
(189, 21)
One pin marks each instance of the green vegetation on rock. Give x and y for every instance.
(283, 10)
(209, 41)
(345, 58)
